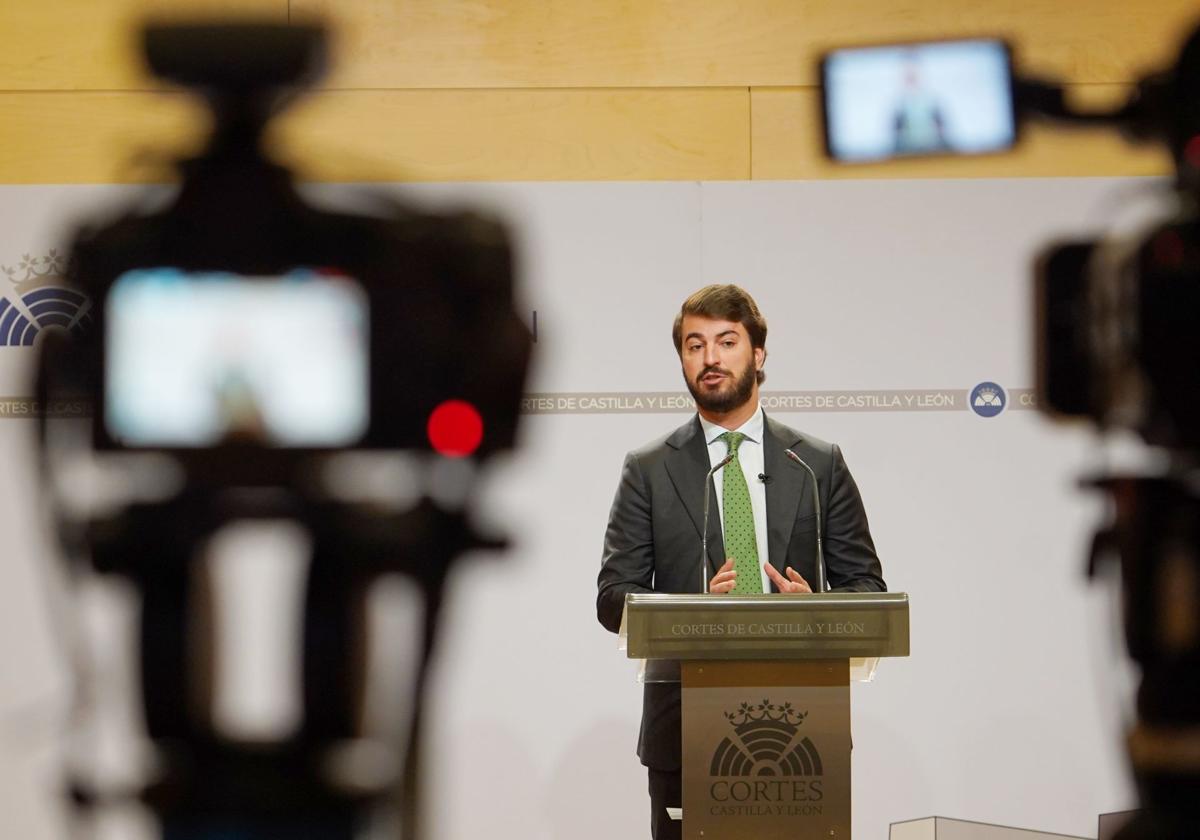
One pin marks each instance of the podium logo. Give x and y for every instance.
(766, 766)
(766, 741)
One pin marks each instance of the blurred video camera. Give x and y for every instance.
(1113, 317)
(248, 338)
(241, 316)
(1117, 345)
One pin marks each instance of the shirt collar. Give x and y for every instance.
(752, 428)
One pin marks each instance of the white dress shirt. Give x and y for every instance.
(750, 456)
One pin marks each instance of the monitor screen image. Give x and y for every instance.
(952, 97)
(204, 359)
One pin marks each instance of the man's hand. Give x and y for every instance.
(723, 581)
(792, 583)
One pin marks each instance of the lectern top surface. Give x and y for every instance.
(827, 600)
(834, 625)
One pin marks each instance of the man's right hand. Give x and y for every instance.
(723, 581)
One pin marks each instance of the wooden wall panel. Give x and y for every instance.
(92, 44)
(640, 43)
(80, 138)
(556, 89)
(399, 135)
(522, 135)
(786, 143)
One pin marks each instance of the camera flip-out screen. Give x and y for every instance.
(946, 97)
(204, 359)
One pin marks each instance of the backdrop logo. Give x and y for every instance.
(988, 399)
(37, 299)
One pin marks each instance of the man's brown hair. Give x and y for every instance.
(724, 303)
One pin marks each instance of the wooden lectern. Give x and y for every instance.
(766, 702)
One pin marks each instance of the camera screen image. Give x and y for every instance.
(203, 359)
(951, 97)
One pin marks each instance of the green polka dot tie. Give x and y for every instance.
(740, 542)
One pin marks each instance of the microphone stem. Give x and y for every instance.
(704, 531)
(822, 584)
(704, 537)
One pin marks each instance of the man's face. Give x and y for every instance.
(720, 366)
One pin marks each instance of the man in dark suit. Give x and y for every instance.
(762, 526)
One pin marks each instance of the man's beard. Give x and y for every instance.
(726, 399)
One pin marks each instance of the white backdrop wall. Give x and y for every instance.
(1003, 711)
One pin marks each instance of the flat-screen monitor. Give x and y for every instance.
(936, 98)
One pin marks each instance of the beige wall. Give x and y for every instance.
(556, 89)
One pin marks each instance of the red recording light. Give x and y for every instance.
(455, 429)
(1168, 249)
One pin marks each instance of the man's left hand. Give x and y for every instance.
(792, 583)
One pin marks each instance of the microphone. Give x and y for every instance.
(821, 583)
(764, 478)
(704, 532)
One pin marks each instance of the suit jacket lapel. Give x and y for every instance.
(783, 493)
(687, 465)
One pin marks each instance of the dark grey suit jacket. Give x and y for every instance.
(653, 539)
